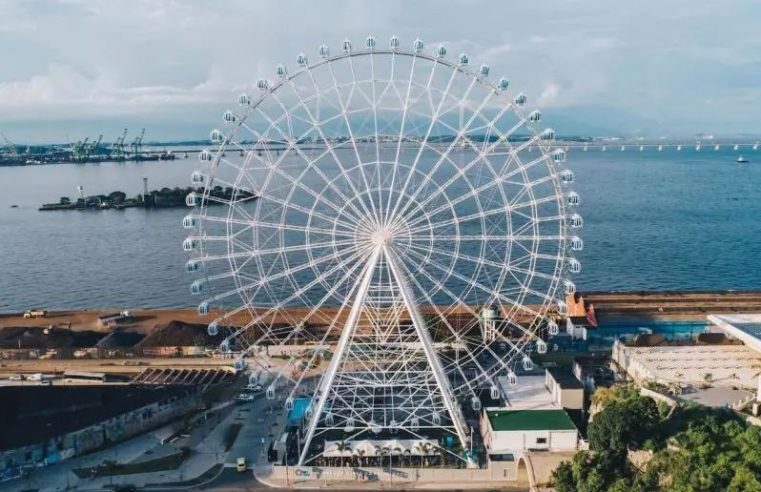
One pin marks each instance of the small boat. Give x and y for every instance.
(741, 159)
(14, 206)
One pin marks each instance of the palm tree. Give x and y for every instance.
(342, 446)
(361, 455)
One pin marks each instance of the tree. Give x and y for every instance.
(623, 424)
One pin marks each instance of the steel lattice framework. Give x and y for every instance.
(398, 209)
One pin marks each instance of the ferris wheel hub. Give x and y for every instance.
(382, 236)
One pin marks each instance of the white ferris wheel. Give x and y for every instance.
(399, 221)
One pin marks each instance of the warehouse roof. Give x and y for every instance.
(521, 420)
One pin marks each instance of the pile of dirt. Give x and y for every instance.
(34, 337)
(177, 334)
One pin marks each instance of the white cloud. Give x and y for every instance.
(166, 57)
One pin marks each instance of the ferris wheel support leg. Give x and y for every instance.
(348, 331)
(433, 360)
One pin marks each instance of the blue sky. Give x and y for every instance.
(653, 68)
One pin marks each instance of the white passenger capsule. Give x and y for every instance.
(330, 420)
(244, 99)
(570, 287)
(189, 222)
(270, 393)
(548, 135)
(436, 418)
(324, 51)
(216, 136)
(484, 70)
(577, 244)
(346, 46)
(193, 199)
(535, 116)
(393, 43)
(414, 423)
(370, 43)
(475, 403)
(562, 308)
(224, 346)
(289, 403)
(192, 266)
(228, 117)
(566, 176)
(463, 59)
(512, 379)
(281, 71)
(494, 392)
(574, 266)
(239, 364)
(301, 59)
(576, 221)
(520, 99)
(572, 198)
(204, 308)
(552, 328)
(418, 45)
(204, 156)
(503, 84)
(528, 364)
(349, 425)
(197, 287)
(558, 155)
(189, 244)
(541, 346)
(441, 51)
(213, 329)
(262, 84)
(197, 178)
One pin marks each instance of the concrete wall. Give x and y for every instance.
(549, 440)
(571, 398)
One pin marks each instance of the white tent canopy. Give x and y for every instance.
(372, 448)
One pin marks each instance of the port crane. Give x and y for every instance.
(11, 145)
(137, 146)
(117, 148)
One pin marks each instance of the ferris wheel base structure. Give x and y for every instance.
(416, 213)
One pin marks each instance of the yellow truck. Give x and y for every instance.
(240, 465)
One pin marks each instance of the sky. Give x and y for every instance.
(677, 68)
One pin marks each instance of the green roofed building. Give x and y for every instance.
(532, 418)
(509, 431)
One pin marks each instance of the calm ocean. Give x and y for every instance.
(652, 221)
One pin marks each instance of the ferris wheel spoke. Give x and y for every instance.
(297, 294)
(460, 131)
(354, 147)
(431, 125)
(331, 151)
(469, 281)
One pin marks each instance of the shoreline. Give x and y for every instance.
(689, 304)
